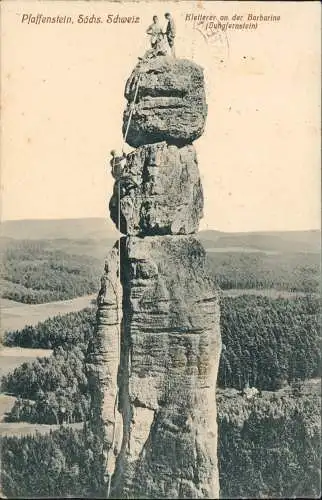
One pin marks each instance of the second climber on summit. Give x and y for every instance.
(170, 31)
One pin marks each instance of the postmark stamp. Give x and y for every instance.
(215, 35)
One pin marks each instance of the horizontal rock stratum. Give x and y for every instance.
(160, 191)
(170, 104)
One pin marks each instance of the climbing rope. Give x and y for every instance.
(118, 291)
(131, 110)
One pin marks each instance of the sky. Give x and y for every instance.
(62, 97)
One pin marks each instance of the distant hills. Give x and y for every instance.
(43, 229)
(274, 241)
(95, 230)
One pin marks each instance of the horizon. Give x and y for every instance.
(200, 230)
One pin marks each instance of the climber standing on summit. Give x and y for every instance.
(159, 46)
(170, 32)
(155, 31)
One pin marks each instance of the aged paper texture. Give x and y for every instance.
(198, 134)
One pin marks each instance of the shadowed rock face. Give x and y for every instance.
(170, 105)
(168, 371)
(160, 191)
(102, 362)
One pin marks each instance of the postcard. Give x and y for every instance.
(160, 236)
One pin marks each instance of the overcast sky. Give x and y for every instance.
(62, 105)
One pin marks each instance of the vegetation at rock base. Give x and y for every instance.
(62, 330)
(268, 448)
(269, 342)
(280, 344)
(62, 463)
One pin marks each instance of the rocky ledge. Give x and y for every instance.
(160, 191)
(170, 103)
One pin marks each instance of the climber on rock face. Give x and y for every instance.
(124, 180)
(117, 164)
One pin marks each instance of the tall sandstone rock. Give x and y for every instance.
(154, 396)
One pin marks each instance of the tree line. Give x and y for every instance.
(50, 390)
(269, 447)
(286, 271)
(32, 272)
(71, 328)
(36, 272)
(267, 343)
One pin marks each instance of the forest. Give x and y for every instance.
(38, 271)
(34, 273)
(280, 341)
(252, 462)
(62, 330)
(52, 389)
(280, 345)
(269, 444)
(64, 463)
(283, 271)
